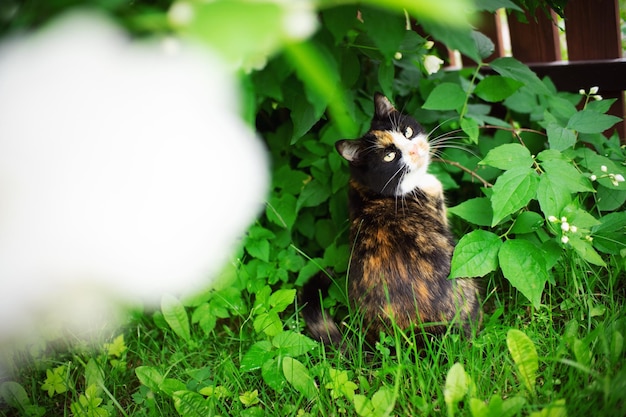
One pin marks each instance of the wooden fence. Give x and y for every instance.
(594, 49)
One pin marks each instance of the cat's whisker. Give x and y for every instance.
(436, 150)
(439, 125)
(393, 176)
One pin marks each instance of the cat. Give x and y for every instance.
(402, 245)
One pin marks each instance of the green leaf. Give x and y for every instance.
(297, 375)
(256, 356)
(176, 317)
(496, 88)
(318, 71)
(259, 249)
(150, 377)
(340, 384)
(363, 406)
(525, 356)
(259, 31)
(268, 323)
(272, 373)
(384, 28)
(14, 395)
(524, 265)
(512, 68)
(496, 407)
(586, 251)
(610, 199)
(527, 222)
(484, 45)
(554, 409)
(249, 398)
(56, 380)
(386, 76)
(560, 138)
(452, 12)
(192, 404)
(513, 190)
(313, 194)
(589, 121)
(457, 385)
(94, 374)
(281, 299)
(508, 156)
(564, 174)
(459, 38)
(116, 348)
(470, 127)
(476, 210)
(446, 96)
(293, 344)
(383, 402)
(552, 197)
(493, 5)
(170, 385)
(476, 254)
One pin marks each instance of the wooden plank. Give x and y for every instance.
(535, 41)
(592, 30)
(607, 74)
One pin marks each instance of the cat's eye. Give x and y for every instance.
(389, 156)
(408, 132)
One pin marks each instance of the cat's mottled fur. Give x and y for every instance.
(402, 246)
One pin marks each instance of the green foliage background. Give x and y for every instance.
(536, 196)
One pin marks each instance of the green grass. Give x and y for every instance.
(577, 334)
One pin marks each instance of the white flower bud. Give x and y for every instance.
(552, 219)
(597, 97)
(582, 92)
(573, 229)
(564, 239)
(619, 178)
(432, 63)
(603, 168)
(397, 56)
(593, 178)
(429, 44)
(593, 90)
(565, 226)
(563, 219)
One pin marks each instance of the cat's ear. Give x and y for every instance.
(349, 149)
(383, 106)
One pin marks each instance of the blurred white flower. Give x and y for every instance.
(564, 239)
(125, 173)
(593, 90)
(619, 178)
(565, 226)
(432, 63)
(552, 219)
(603, 168)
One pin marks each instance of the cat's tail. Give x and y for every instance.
(320, 324)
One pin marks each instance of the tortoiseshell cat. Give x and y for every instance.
(402, 246)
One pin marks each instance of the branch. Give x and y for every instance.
(469, 171)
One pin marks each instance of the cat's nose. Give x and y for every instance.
(418, 150)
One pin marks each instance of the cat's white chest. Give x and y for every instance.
(422, 180)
